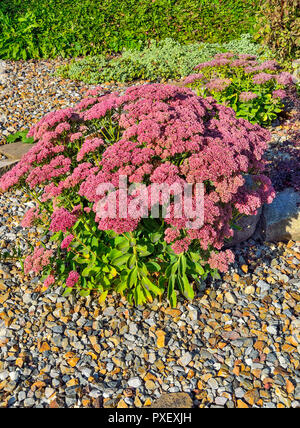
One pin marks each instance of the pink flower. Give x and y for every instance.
(162, 134)
(38, 260)
(62, 220)
(218, 85)
(221, 260)
(284, 78)
(89, 146)
(260, 78)
(192, 78)
(279, 93)
(67, 242)
(76, 136)
(50, 280)
(30, 216)
(72, 279)
(247, 96)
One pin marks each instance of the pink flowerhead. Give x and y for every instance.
(72, 279)
(261, 78)
(50, 280)
(247, 96)
(62, 220)
(218, 85)
(279, 93)
(67, 241)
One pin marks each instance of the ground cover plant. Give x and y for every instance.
(255, 91)
(51, 28)
(158, 61)
(154, 135)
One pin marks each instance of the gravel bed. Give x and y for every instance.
(236, 345)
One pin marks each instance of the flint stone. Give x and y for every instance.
(281, 219)
(176, 400)
(296, 70)
(247, 225)
(15, 151)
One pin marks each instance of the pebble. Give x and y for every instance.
(134, 382)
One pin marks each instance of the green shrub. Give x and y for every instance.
(278, 27)
(255, 91)
(163, 60)
(50, 28)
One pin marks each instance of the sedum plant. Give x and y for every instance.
(153, 135)
(254, 90)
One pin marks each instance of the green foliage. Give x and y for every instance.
(139, 265)
(167, 59)
(20, 136)
(278, 26)
(50, 28)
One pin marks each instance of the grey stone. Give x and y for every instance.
(221, 401)
(239, 392)
(246, 228)
(4, 374)
(213, 383)
(135, 382)
(15, 151)
(21, 396)
(29, 402)
(264, 286)
(281, 218)
(185, 359)
(27, 298)
(110, 311)
(297, 393)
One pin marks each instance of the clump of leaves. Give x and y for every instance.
(278, 27)
(20, 136)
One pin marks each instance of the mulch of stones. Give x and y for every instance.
(30, 89)
(236, 345)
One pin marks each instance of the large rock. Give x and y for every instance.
(281, 219)
(247, 226)
(176, 400)
(15, 151)
(296, 70)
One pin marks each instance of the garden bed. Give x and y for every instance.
(233, 346)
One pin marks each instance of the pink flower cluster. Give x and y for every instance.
(50, 280)
(247, 96)
(30, 216)
(38, 260)
(166, 135)
(72, 279)
(67, 242)
(62, 220)
(218, 85)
